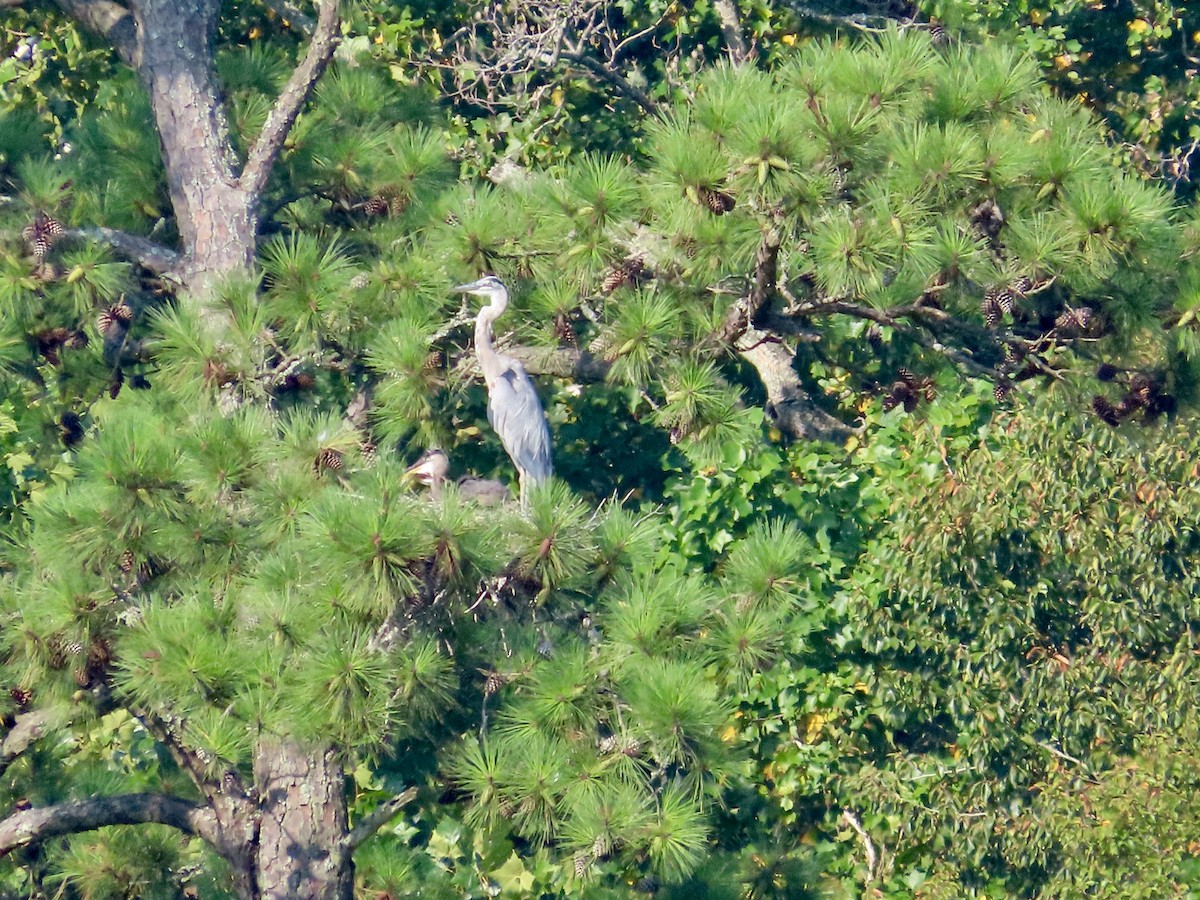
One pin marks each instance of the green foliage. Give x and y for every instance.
(1127, 60)
(967, 633)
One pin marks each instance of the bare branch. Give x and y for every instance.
(283, 115)
(872, 858)
(32, 826)
(375, 820)
(577, 365)
(291, 16)
(613, 78)
(228, 787)
(892, 318)
(741, 315)
(868, 22)
(731, 31)
(148, 254)
(111, 21)
(28, 727)
(789, 406)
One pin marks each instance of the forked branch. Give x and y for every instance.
(295, 94)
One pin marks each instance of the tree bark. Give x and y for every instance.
(217, 219)
(789, 407)
(303, 823)
(32, 826)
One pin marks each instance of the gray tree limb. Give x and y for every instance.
(614, 79)
(295, 94)
(376, 819)
(789, 406)
(731, 31)
(28, 727)
(562, 362)
(109, 20)
(32, 826)
(291, 15)
(148, 254)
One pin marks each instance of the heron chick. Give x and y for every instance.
(433, 469)
(514, 411)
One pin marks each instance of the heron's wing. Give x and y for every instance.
(515, 414)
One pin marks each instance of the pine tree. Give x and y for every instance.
(230, 572)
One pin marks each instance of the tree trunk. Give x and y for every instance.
(302, 804)
(217, 219)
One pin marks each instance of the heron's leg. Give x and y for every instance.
(524, 491)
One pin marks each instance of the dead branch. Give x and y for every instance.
(376, 819)
(28, 727)
(868, 847)
(295, 94)
(731, 31)
(32, 826)
(110, 21)
(148, 254)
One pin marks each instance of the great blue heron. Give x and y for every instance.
(514, 410)
(433, 469)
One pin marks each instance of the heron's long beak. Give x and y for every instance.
(467, 288)
(424, 470)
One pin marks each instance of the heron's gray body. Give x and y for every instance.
(514, 410)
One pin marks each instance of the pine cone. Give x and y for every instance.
(46, 271)
(874, 337)
(564, 332)
(1074, 321)
(114, 387)
(1004, 299)
(127, 561)
(328, 460)
(718, 202)
(991, 311)
(899, 394)
(1021, 285)
(99, 654)
(41, 234)
(1141, 386)
(1001, 390)
(582, 864)
(376, 206)
(21, 696)
(988, 219)
(50, 341)
(609, 744)
(628, 272)
(299, 381)
(119, 314)
(493, 683)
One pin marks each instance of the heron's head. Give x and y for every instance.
(433, 466)
(488, 286)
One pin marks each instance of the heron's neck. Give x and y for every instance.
(489, 314)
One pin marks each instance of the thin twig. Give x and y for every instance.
(869, 848)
